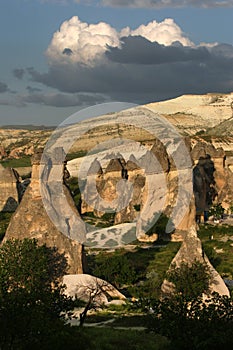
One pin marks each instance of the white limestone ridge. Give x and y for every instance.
(209, 110)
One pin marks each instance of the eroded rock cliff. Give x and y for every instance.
(32, 221)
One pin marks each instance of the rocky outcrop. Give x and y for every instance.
(9, 197)
(3, 152)
(196, 113)
(191, 251)
(213, 176)
(16, 143)
(137, 189)
(32, 221)
(85, 286)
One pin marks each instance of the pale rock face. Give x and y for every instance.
(83, 286)
(151, 189)
(212, 176)
(191, 113)
(32, 221)
(9, 197)
(190, 251)
(2, 152)
(19, 142)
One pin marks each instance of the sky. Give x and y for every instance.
(60, 56)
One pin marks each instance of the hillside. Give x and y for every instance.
(192, 114)
(208, 115)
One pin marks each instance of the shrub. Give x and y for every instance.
(31, 296)
(190, 281)
(116, 269)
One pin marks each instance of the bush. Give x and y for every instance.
(4, 222)
(190, 281)
(194, 325)
(31, 296)
(188, 321)
(116, 269)
(217, 211)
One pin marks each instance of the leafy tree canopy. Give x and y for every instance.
(31, 296)
(190, 281)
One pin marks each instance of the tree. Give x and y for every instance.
(117, 269)
(31, 295)
(217, 211)
(188, 321)
(94, 292)
(190, 281)
(197, 325)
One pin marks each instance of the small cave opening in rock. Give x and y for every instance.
(204, 187)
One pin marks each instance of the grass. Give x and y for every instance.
(75, 155)
(130, 321)
(24, 161)
(147, 266)
(218, 251)
(115, 339)
(106, 220)
(98, 317)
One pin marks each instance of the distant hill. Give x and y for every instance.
(28, 127)
(195, 114)
(208, 117)
(223, 129)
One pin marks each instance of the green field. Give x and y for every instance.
(24, 161)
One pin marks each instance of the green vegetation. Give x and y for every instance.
(160, 227)
(115, 339)
(139, 272)
(185, 319)
(194, 325)
(24, 161)
(116, 268)
(217, 211)
(74, 155)
(32, 303)
(73, 185)
(231, 209)
(217, 242)
(4, 222)
(156, 270)
(190, 281)
(31, 309)
(106, 220)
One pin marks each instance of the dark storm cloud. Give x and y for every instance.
(63, 100)
(3, 87)
(31, 89)
(136, 76)
(167, 3)
(18, 73)
(54, 99)
(136, 49)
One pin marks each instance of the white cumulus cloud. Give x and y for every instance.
(83, 43)
(86, 44)
(165, 32)
(152, 62)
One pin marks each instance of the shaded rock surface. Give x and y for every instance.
(32, 221)
(189, 252)
(9, 196)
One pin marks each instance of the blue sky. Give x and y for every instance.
(184, 46)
